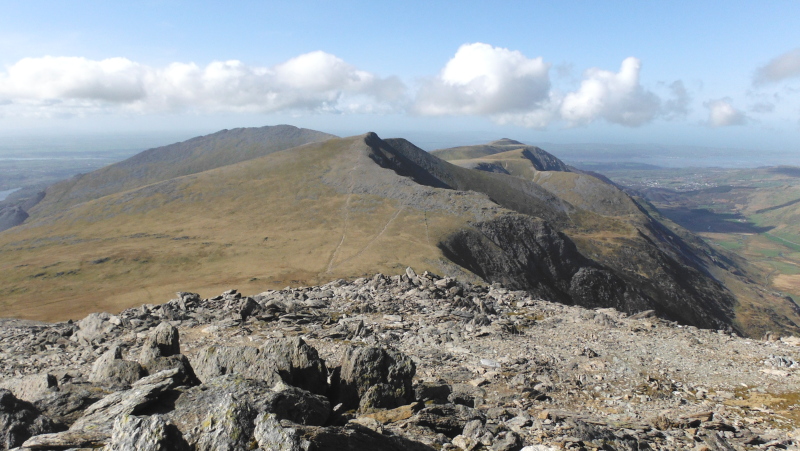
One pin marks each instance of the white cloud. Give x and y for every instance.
(481, 79)
(780, 68)
(721, 113)
(315, 81)
(615, 97)
(678, 104)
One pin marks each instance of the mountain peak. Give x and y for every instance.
(506, 142)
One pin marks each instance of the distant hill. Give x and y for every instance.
(199, 154)
(347, 207)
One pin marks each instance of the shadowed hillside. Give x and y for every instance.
(343, 208)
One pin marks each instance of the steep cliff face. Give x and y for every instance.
(526, 253)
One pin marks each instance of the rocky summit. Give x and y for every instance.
(404, 362)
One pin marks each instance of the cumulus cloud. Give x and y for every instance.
(721, 113)
(678, 104)
(616, 97)
(481, 79)
(315, 81)
(514, 89)
(780, 68)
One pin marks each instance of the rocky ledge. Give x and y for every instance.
(394, 363)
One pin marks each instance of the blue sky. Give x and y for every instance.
(720, 74)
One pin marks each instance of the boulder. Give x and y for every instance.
(270, 435)
(286, 402)
(144, 393)
(112, 369)
(30, 388)
(374, 378)
(67, 405)
(19, 420)
(94, 327)
(162, 351)
(163, 341)
(154, 433)
(289, 360)
(228, 426)
(447, 419)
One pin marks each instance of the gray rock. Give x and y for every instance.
(185, 374)
(448, 419)
(286, 402)
(270, 435)
(67, 440)
(111, 369)
(142, 394)
(67, 405)
(229, 426)
(19, 420)
(289, 360)
(30, 388)
(163, 341)
(154, 433)
(366, 367)
(93, 327)
(355, 437)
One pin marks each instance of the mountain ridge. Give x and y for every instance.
(342, 207)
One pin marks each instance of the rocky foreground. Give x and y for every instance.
(393, 363)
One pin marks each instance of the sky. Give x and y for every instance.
(689, 73)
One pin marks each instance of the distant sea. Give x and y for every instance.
(6, 193)
(672, 156)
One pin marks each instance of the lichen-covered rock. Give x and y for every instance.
(270, 435)
(153, 433)
(365, 368)
(67, 405)
(298, 364)
(289, 360)
(143, 393)
(112, 369)
(19, 420)
(163, 341)
(228, 426)
(286, 402)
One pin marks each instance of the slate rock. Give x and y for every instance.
(163, 341)
(286, 402)
(67, 405)
(229, 426)
(289, 360)
(93, 327)
(151, 433)
(19, 420)
(31, 388)
(366, 367)
(448, 419)
(271, 435)
(112, 369)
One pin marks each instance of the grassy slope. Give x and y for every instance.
(287, 218)
(189, 157)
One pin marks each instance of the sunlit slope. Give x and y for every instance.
(346, 208)
(303, 216)
(579, 189)
(163, 163)
(542, 161)
(635, 240)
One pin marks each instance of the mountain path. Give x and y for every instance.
(375, 238)
(346, 209)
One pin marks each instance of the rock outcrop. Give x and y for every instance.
(408, 362)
